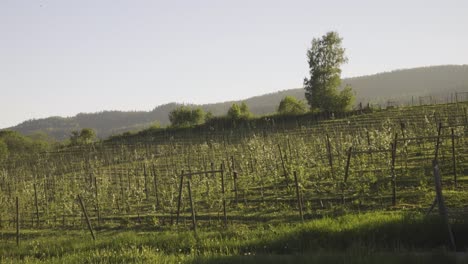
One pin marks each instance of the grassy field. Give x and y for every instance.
(384, 237)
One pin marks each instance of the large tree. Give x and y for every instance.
(87, 135)
(325, 58)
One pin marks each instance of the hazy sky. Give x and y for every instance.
(64, 57)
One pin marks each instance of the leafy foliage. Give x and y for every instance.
(13, 144)
(85, 136)
(3, 150)
(325, 58)
(291, 106)
(239, 112)
(234, 112)
(185, 116)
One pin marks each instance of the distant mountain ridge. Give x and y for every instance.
(398, 85)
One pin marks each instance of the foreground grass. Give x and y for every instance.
(146, 256)
(384, 237)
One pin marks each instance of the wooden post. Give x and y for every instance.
(348, 163)
(73, 216)
(298, 196)
(192, 206)
(454, 161)
(330, 156)
(97, 200)
(213, 176)
(63, 215)
(439, 131)
(46, 196)
(223, 194)
(146, 181)
(121, 189)
(205, 168)
(369, 146)
(36, 205)
(17, 223)
(233, 164)
(155, 182)
(466, 115)
(285, 172)
(136, 179)
(252, 170)
(441, 203)
(236, 197)
(90, 171)
(128, 180)
(392, 168)
(289, 148)
(403, 136)
(179, 200)
(83, 208)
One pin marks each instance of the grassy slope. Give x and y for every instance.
(386, 237)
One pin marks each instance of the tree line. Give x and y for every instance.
(325, 58)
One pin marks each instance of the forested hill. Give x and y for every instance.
(400, 86)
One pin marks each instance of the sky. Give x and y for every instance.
(63, 57)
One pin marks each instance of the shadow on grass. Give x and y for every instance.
(335, 258)
(378, 237)
(366, 235)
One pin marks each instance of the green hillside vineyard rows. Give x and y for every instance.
(380, 161)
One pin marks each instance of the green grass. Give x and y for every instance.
(357, 238)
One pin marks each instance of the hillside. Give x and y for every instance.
(399, 86)
(362, 180)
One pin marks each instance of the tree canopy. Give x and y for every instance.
(239, 112)
(15, 145)
(85, 136)
(289, 105)
(325, 58)
(184, 116)
(3, 150)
